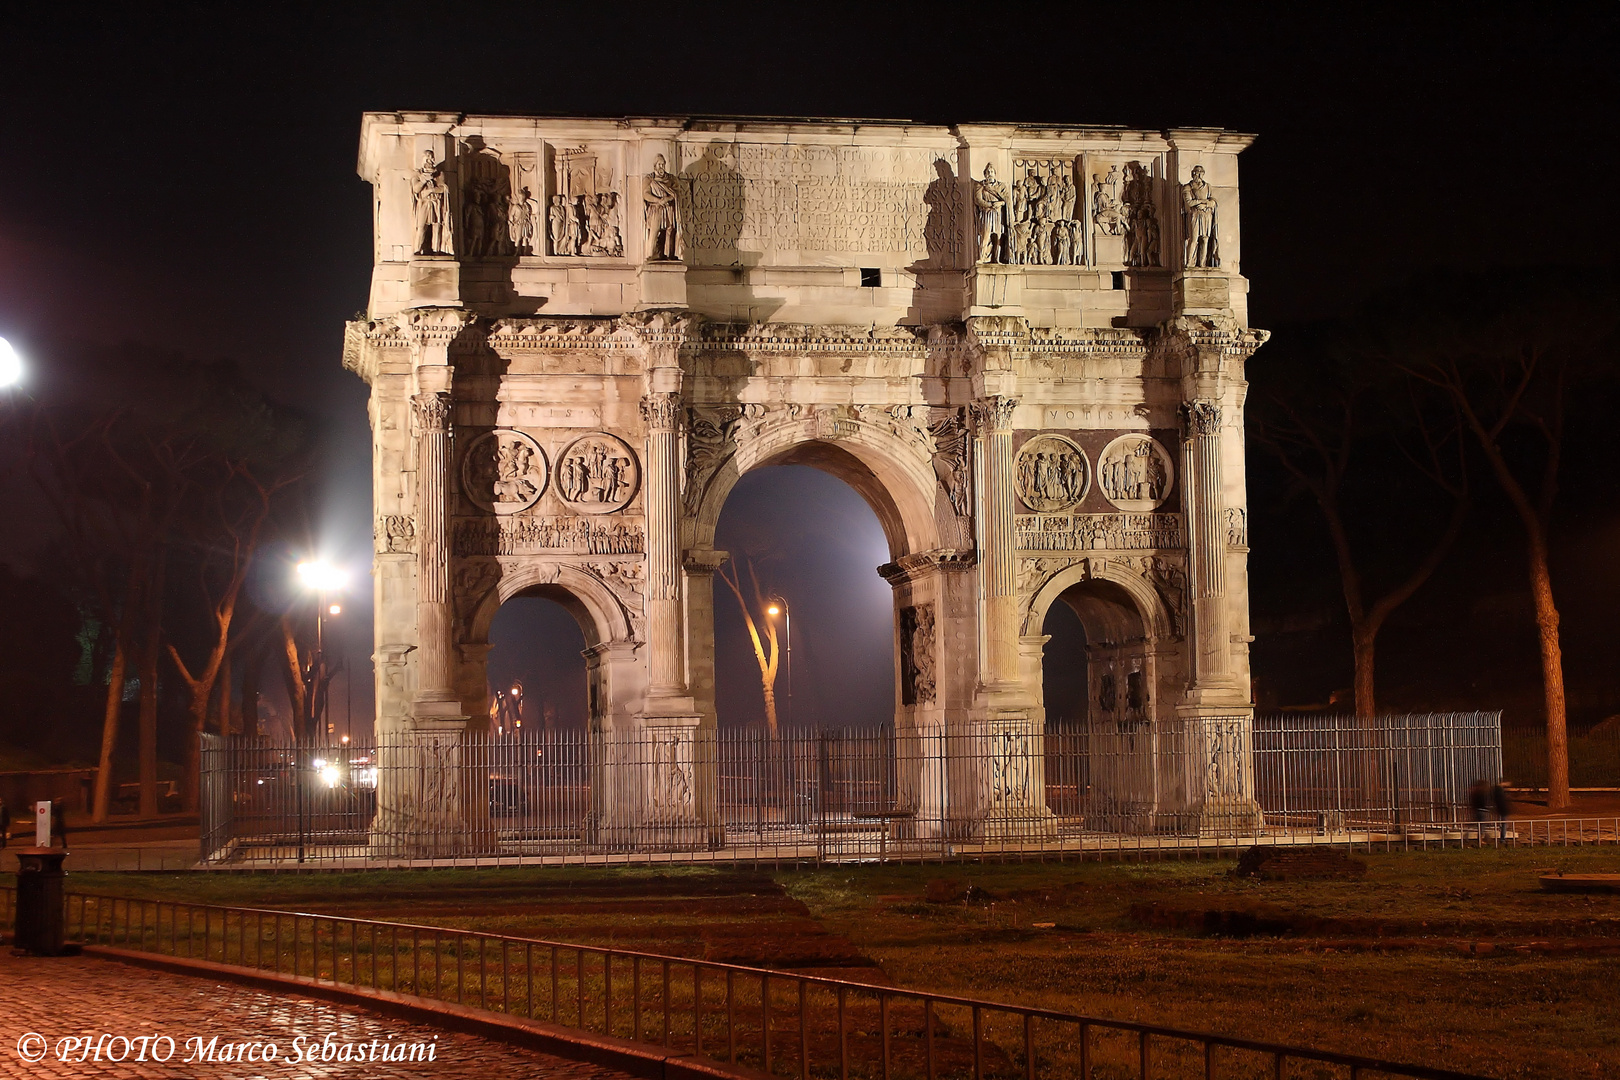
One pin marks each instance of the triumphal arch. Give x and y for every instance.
(1023, 345)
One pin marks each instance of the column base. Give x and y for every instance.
(1231, 817)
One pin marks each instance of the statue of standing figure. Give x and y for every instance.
(663, 214)
(521, 220)
(990, 212)
(430, 205)
(1198, 210)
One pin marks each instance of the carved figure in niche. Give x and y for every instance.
(1009, 768)
(1107, 692)
(601, 223)
(917, 654)
(522, 219)
(475, 209)
(397, 533)
(1141, 218)
(597, 474)
(1051, 474)
(1105, 195)
(663, 213)
(504, 471)
(1134, 472)
(672, 784)
(990, 209)
(1199, 222)
(430, 204)
(563, 240)
(1063, 236)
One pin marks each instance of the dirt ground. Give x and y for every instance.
(1452, 958)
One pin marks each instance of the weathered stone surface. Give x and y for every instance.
(1024, 346)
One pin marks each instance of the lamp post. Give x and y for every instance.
(323, 578)
(779, 606)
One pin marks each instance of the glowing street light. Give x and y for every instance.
(11, 366)
(320, 577)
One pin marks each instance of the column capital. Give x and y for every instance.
(1201, 417)
(432, 412)
(435, 327)
(993, 413)
(662, 333)
(661, 410)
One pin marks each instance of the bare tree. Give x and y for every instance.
(1346, 417)
(1507, 353)
(765, 650)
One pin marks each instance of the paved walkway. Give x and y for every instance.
(59, 1016)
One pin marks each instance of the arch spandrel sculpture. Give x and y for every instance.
(1033, 384)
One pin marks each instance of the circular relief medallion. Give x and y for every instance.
(1053, 474)
(597, 474)
(1134, 471)
(504, 471)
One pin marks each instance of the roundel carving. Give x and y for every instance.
(1135, 473)
(504, 471)
(597, 474)
(1053, 474)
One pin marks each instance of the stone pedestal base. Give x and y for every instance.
(663, 285)
(1202, 292)
(996, 290)
(423, 805)
(435, 281)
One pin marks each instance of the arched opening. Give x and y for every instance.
(807, 532)
(537, 680)
(1098, 690)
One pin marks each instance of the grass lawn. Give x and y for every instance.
(1446, 958)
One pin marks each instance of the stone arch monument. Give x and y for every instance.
(582, 332)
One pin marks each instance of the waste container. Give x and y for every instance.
(41, 910)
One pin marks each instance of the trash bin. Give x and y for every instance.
(41, 909)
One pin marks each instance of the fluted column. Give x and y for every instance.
(433, 617)
(1207, 542)
(993, 418)
(661, 411)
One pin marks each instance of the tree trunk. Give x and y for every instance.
(1552, 675)
(770, 709)
(1363, 645)
(292, 674)
(109, 730)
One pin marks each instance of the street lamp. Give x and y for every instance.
(11, 366)
(322, 577)
(779, 606)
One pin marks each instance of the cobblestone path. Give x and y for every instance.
(59, 1016)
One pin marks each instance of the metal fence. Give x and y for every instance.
(777, 1023)
(831, 795)
(1594, 757)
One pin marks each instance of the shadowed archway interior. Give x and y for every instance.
(1096, 634)
(536, 645)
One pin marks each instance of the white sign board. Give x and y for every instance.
(42, 824)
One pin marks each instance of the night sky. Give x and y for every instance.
(187, 179)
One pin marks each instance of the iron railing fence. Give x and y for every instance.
(1594, 757)
(779, 1023)
(829, 795)
(1340, 771)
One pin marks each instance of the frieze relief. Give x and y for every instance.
(1237, 527)
(1106, 532)
(531, 534)
(1123, 204)
(917, 685)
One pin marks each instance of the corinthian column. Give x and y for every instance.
(435, 696)
(1207, 541)
(661, 411)
(993, 418)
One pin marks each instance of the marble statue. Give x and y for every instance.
(1198, 215)
(430, 199)
(990, 212)
(663, 213)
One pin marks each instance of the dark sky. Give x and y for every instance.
(185, 175)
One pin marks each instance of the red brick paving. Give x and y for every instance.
(67, 999)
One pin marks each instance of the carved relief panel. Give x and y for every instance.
(917, 679)
(1052, 474)
(504, 471)
(597, 474)
(1045, 203)
(1125, 204)
(586, 215)
(1135, 473)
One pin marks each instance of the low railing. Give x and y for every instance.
(776, 1022)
